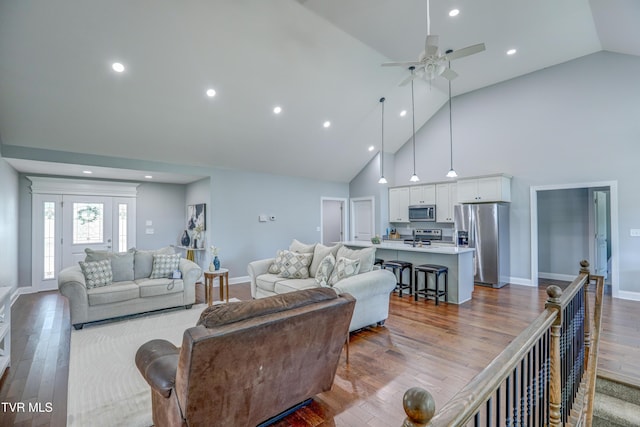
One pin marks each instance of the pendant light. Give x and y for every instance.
(452, 173)
(414, 177)
(382, 179)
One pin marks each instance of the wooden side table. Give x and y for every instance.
(223, 277)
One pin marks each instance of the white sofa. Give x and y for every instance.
(371, 289)
(137, 293)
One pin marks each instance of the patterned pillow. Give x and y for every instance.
(278, 263)
(344, 268)
(323, 273)
(295, 266)
(164, 265)
(97, 273)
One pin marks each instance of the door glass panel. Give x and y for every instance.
(122, 227)
(88, 221)
(49, 240)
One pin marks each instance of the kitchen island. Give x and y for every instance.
(459, 261)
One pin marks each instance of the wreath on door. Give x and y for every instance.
(87, 214)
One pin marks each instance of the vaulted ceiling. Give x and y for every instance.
(319, 60)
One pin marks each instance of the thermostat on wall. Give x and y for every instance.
(262, 218)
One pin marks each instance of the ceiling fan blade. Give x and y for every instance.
(408, 79)
(465, 51)
(431, 45)
(449, 74)
(401, 64)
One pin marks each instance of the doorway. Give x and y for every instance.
(333, 218)
(362, 219)
(573, 222)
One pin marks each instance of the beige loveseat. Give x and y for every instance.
(131, 290)
(369, 286)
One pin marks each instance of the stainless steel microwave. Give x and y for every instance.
(422, 213)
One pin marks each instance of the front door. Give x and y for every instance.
(601, 232)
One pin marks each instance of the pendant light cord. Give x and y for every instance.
(450, 126)
(413, 118)
(382, 141)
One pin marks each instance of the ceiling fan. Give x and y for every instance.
(430, 63)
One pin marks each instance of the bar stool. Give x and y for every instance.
(434, 292)
(378, 261)
(398, 268)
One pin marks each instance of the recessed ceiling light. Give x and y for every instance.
(403, 113)
(117, 67)
(454, 12)
(148, 176)
(511, 51)
(277, 110)
(211, 93)
(326, 124)
(371, 148)
(87, 172)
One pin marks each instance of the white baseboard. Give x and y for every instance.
(233, 281)
(557, 276)
(521, 281)
(22, 290)
(633, 296)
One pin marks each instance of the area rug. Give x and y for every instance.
(105, 387)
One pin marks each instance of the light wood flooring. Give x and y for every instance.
(437, 348)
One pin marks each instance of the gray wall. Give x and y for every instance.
(163, 205)
(238, 197)
(366, 184)
(9, 213)
(563, 230)
(576, 122)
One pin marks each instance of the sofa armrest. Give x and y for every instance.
(157, 361)
(255, 269)
(191, 272)
(364, 285)
(71, 284)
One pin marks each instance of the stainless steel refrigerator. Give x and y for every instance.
(485, 227)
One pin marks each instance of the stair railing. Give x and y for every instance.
(536, 380)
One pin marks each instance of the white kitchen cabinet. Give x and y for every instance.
(485, 189)
(422, 195)
(399, 204)
(446, 199)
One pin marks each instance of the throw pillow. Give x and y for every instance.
(300, 247)
(319, 253)
(121, 262)
(295, 266)
(344, 268)
(143, 261)
(278, 263)
(96, 273)
(366, 257)
(164, 265)
(325, 269)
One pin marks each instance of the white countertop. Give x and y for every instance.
(401, 246)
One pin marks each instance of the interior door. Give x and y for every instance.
(601, 232)
(87, 223)
(332, 221)
(362, 219)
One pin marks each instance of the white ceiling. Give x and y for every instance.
(318, 59)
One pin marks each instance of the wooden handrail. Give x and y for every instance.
(595, 344)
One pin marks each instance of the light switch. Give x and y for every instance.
(149, 231)
(149, 223)
(634, 232)
(317, 228)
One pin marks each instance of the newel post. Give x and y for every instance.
(584, 268)
(555, 377)
(419, 406)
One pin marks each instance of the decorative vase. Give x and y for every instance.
(185, 240)
(195, 243)
(216, 263)
(212, 267)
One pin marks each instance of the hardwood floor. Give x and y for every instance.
(437, 348)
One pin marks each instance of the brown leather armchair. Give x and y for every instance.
(246, 362)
